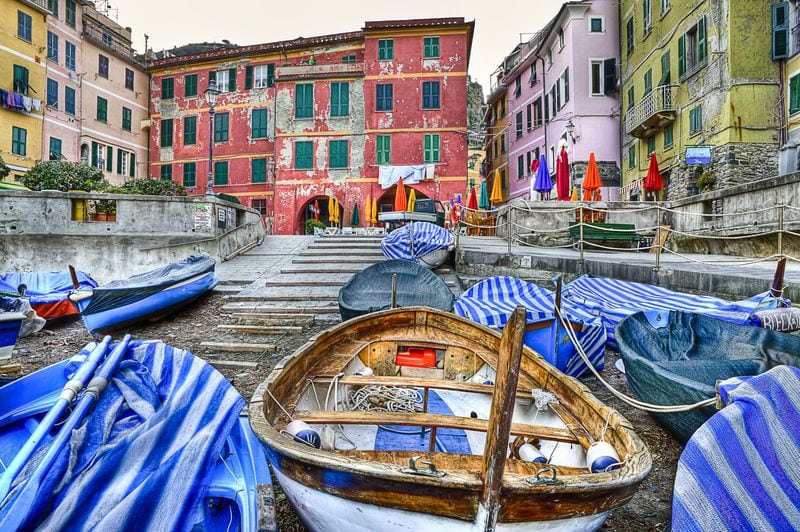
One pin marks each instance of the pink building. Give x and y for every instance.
(563, 91)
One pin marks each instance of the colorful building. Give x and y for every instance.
(562, 92)
(301, 120)
(23, 42)
(496, 120)
(786, 35)
(698, 74)
(114, 94)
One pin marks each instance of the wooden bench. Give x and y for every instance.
(602, 232)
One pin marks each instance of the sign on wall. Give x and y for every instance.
(698, 155)
(202, 218)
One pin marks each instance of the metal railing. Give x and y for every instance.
(659, 100)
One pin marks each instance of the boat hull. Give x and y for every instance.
(434, 259)
(152, 307)
(10, 323)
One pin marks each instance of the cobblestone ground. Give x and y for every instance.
(649, 509)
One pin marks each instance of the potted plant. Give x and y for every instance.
(311, 223)
(106, 210)
(706, 181)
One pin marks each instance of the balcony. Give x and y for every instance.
(324, 70)
(107, 37)
(656, 110)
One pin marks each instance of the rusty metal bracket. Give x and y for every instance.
(430, 471)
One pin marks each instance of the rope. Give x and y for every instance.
(720, 262)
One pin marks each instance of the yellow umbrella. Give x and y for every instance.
(412, 199)
(367, 211)
(574, 196)
(336, 210)
(375, 210)
(497, 188)
(331, 215)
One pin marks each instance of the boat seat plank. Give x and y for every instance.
(325, 417)
(333, 365)
(414, 382)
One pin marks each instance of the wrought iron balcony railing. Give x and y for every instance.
(653, 113)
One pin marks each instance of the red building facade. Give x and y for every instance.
(314, 117)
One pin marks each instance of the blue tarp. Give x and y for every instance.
(614, 300)
(141, 459)
(44, 287)
(415, 240)
(492, 301)
(741, 470)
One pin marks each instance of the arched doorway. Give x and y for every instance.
(307, 213)
(386, 200)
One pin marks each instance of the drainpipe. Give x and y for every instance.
(621, 114)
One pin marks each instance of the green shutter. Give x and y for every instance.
(212, 76)
(132, 168)
(258, 170)
(794, 94)
(232, 80)
(248, 77)
(221, 173)
(120, 155)
(701, 40)
(780, 30)
(189, 130)
(665, 70)
(681, 56)
(303, 155)
(648, 82)
(609, 75)
(270, 75)
(94, 154)
(109, 158)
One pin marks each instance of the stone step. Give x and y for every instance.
(345, 246)
(227, 289)
(350, 252)
(257, 329)
(329, 268)
(309, 279)
(233, 347)
(311, 308)
(287, 297)
(333, 259)
(306, 282)
(353, 238)
(305, 320)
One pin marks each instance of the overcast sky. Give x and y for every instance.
(498, 23)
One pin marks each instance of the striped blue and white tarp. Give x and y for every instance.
(415, 240)
(614, 300)
(741, 469)
(492, 301)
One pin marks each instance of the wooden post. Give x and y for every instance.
(780, 230)
(659, 238)
(394, 290)
(510, 228)
(580, 242)
(500, 415)
(74, 275)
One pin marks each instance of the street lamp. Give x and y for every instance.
(211, 94)
(570, 127)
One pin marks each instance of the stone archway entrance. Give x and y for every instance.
(307, 212)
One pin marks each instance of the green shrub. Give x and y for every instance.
(706, 181)
(64, 176)
(4, 169)
(152, 187)
(311, 223)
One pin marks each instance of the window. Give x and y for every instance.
(221, 173)
(560, 38)
(629, 35)
(122, 162)
(603, 76)
(537, 112)
(109, 158)
(340, 98)
(304, 100)
(166, 172)
(780, 30)
(692, 49)
(55, 149)
(549, 57)
(102, 66)
(430, 95)
(189, 174)
(631, 98)
(189, 130)
(517, 86)
(52, 46)
(304, 155)
(664, 6)
(520, 167)
(126, 119)
(339, 152)
(431, 47)
(546, 108)
(648, 82)
(69, 54)
(646, 19)
(632, 156)
(519, 125)
(597, 78)
(794, 94)
(665, 70)
(651, 144)
(383, 149)
(167, 88)
(258, 77)
(129, 79)
(106, 38)
(71, 13)
(383, 97)
(668, 137)
(349, 58)
(190, 85)
(595, 25)
(260, 205)
(24, 21)
(529, 117)
(102, 109)
(166, 133)
(52, 5)
(431, 148)
(502, 143)
(532, 76)
(258, 173)
(52, 93)
(385, 50)
(226, 79)
(259, 124)
(565, 86)
(221, 127)
(20, 79)
(97, 155)
(69, 100)
(695, 120)
(528, 166)
(132, 166)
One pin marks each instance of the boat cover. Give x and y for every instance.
(741, 470)
(162, 421)
(492, 301)
(371, 289)
(123, 292)
(31, 323)
(613, 300)
(415, 240)
(44, 287)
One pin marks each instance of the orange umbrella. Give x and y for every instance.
(653, 182)
(400, 202)
(591, 180)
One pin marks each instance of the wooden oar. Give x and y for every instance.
(777, 280)
(15, 519)
(68, 394)
(500, 415)
(74, 275)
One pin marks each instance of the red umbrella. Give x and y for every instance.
(591, 181)
(534, 166)
(400, 202)
(562, 176)
(472, 204)
(653, 183)
(316, 210)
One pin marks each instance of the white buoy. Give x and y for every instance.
(366, 371)
(602, 457)
(302, 432)
(529, 453)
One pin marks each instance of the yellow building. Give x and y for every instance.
(782, 15)
(697, 74)
(497, 134)
(23, 46)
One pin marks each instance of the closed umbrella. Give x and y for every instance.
(354, 220)
(400, 202)
(483, 202)
(472, 203)
(543, 184)
(562, 176)
(591, 181)
(412, 199)
(367, 207)
(574, 196)
(653, 182)
(497, 189)
(316, 210)
(331, 215)
(375, 210)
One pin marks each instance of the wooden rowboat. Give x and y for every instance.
(445, 464)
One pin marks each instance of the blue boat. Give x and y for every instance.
(166, 446)
(47, 292)
(145, 297)
(10, 323)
